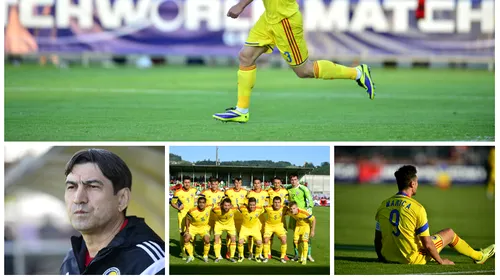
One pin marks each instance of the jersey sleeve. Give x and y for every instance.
(309, 199)
(148, 258)
(422, 225)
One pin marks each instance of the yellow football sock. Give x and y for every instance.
(463, 248)
(283, 250)
(250, 245)
(228, 245)
(233, 249)
(206, 249)
(327, 70)
(305, 246)
(189, 248)
(241, 249)
(217, 247)
(267, 248)
(258, 250)
(246, 81)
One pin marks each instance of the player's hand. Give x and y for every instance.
(18, 40)
(234, 11)
(312, 234)
(181, 207)
(447, 262)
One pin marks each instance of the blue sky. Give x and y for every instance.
(295, 154)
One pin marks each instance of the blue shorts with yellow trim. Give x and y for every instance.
(287, 35)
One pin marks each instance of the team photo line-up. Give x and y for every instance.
(253, 217)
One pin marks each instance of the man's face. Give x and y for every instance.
(227, 206)
(186, 184)
(276, 183)
(214, 185)
(202, 203)
(237, 184)
(252, 206)
(257, 184)
(294, 209)
(415, 185)
(294, 180)
(90, 202)
(276, 204)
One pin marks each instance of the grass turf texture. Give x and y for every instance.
(320, 252)
(177, 103)
(464, 209)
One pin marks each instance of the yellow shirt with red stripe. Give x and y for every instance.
(402, 220)
(237, 196)
(224, 218)
(281, 192)
(199, 217)
(186, 197)
(213, 198)
(260, 196)
(250, 219)
(276, 10)
(302, 217)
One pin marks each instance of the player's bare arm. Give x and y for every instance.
(237, 9)
(313, 227)
(431, 249)
(176, 207)
(378, 245)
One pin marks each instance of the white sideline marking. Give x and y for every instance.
(454, 272)
(356, 94)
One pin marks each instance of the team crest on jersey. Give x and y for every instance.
(112, 271)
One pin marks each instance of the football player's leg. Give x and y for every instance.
(232, 238)
(241, 249)
(296, 237)
(258, 248)
(217, 246)
(267, 247)
(454, 241)
(188, 246)
(283, 245)
(206, 246)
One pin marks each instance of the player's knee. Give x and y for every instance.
(259, 242)
(283, 240)
(241, 241)
(245, 58)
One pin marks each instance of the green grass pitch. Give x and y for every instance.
(464, 209)
(175, 103)
(320, 252)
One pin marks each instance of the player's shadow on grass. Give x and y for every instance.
(356, 259)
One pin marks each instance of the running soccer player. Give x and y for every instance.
(261, 196)
(304, 229)
(238, 195)
(183, 201)
(197, 224)
(281, 26)
(275, 224)
(402, 230)
(224, 221)
(302, 196)
(250, 227)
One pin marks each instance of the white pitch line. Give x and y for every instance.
(455, 272)
(310, 95)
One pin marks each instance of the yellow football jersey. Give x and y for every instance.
(275, 217)
(224, 219)
(261, 197)
(198, 217)
(282, 193)
(237, 197)
(276, 10)
(187, 198)
(303, 217)
(250, 219)
(213, 198)
(402, 220)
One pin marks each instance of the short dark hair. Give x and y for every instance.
(293, 175)
(404, 175)
(201, 198)
(213, 179)
(277, 178)
(186, 178)
(277, 198)
(252, 199)
(257, 178)
(227, 199)
(237, 179)
(111, 166)
(292, 203)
